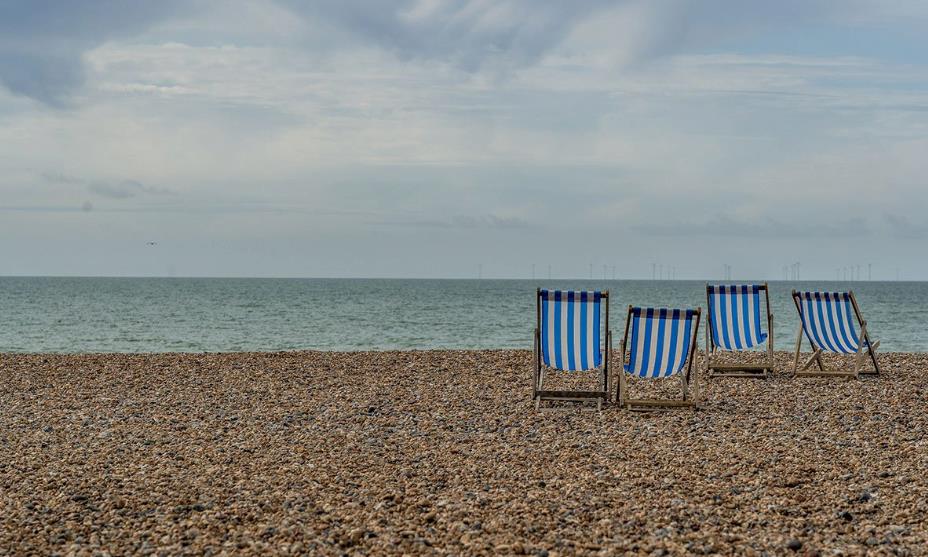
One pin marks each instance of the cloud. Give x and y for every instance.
(121, 189)
(462, 222)
(125, 189)
(43, 41)
(470, 34)
(902, 227)
(725, 226)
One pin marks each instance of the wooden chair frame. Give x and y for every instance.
(816, 357)
(539, 394)
(690, 399)
(756, 372)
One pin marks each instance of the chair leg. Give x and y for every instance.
(872, 351)
(860, 350)
(798, 348)
(816, 357)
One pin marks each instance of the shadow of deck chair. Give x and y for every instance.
(735, 325)
(827, 320)
(659, 343)
(569, 337)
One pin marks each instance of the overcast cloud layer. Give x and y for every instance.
(431, 137)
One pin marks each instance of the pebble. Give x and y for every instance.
(442, 452)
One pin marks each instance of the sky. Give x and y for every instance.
(464, 138)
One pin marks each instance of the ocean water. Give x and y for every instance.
(45, 314)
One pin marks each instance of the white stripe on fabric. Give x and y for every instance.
(742, 326)
(673, 357)
(577, 349)
(824, 328)
(550, 325)
(832, 337)
(847, 325)
(729, 333)
(682, 344)
(813, 319)
(639, 350)
(735, 329)
(652, 346)
(720, 325)
(665, 353)
(578, 363)
(816, 325)
(833, 332)
(753, 316)
(851, 319)
(839, 318)
(804, 316)
(592, 339)
(565, 347)
(544, 331)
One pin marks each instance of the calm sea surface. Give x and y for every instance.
(196, 315)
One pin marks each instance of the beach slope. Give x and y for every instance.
(441, 452)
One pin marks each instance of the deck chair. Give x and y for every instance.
(569, 338)
(828, 320)
(659, 343)
(735, 325)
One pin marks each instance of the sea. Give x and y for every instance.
(78, 315)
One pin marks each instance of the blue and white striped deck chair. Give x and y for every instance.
(660, 343)
(572, 326)
(828, 320)
(735, 324)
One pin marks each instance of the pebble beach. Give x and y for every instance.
(442, 452)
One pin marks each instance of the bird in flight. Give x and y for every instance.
(152, 243)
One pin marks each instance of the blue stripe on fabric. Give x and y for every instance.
(564, 338)
(558, 362)
(633, 354)
(850, 322)
(758, 334)
(571, 346)
(845, 324)
(645, 362)
(584, 333)
(810, 312)
(736, 323)
(835, 335)
(597, 353)
(834, 321)
(814, 323)
(687, 337)
(834, 314)
(848, 318)
(672, 352)
(545, 349)
(746, 301)
(726, 331)
(723, 309)
(819, 307)
(713, 316)
(659, 348)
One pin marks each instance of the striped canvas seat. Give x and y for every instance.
(659, 341)
(735, 316)
(571, 329)
(828, 321)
